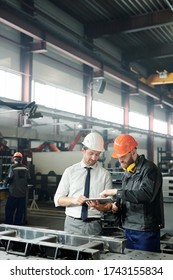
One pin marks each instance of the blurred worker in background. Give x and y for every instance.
(141, 196)
(18, 178)
(70, 191)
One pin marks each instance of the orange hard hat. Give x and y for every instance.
(18, 154)
(123, 144)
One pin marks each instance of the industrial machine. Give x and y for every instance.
(26, 108)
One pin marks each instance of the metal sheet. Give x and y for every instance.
(19, 243)
(28, 241)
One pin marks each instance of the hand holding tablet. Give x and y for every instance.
(101, 200)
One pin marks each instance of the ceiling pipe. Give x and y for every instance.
(169, 4)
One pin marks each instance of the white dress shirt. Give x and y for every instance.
(72, 184)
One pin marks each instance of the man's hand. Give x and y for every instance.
(71, 201)
(114, 208)
(109, 192)
(102, 207)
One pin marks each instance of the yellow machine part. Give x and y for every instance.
(157, 79)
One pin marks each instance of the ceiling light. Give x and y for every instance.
(99, 84)
(79, 125)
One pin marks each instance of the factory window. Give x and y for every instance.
(159, 126)
(10, 85)
(44, 95)
(57, 98)
(136, 119)
(107, 112)
(70, 102)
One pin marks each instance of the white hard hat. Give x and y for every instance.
(94, 141)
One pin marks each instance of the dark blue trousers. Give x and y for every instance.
(15, 210)
(143, 240)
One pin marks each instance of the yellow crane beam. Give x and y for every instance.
(160, 78)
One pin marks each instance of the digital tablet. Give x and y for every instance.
(101, 200)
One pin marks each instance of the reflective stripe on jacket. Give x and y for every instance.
(18, 179)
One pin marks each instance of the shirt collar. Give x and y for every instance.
(84, 165)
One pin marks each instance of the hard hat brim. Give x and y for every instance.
(96, 150)
(116, 155)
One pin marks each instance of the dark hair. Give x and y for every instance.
(84, 147)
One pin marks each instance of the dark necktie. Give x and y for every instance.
(84, 213)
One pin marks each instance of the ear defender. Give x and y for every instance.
(131, 168)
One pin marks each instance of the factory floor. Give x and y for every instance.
(45, 215)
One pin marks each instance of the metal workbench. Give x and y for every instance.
(19, 243)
